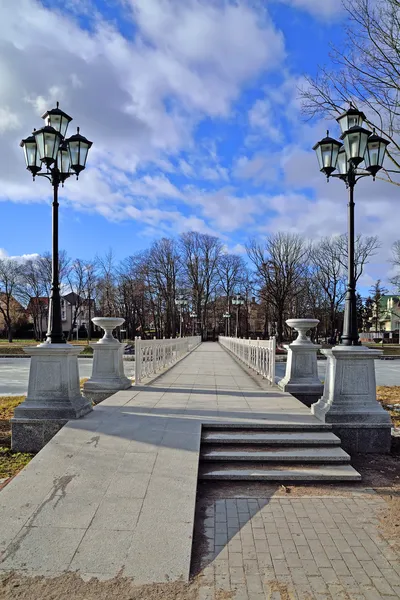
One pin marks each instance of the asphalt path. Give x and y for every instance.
(14, 373)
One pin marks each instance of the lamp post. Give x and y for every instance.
(237, 301)
(49, 148)
(193, 316)
(54, 395)
(181, 302)
(359, 144)
(226, 316)
(349, 401)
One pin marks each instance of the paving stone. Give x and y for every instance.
(39, 549)
(99, 552)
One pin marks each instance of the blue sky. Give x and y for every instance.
(194, 113)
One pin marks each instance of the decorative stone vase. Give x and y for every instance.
(302, 326)
(53, 397)
(349, 401)
(301, 377)
(108, 324)
(108, 368)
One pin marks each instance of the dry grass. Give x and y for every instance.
(10, 462)
(7, 405)
(390, 395)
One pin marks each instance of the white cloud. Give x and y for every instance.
(138, 99)
(21, 259)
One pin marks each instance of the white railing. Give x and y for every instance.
(151, 356)
(256, 354)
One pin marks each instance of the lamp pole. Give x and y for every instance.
(359, 145)
(350, 330)
(48, 147)
(238, 301)
(181, 302)
(55, 333)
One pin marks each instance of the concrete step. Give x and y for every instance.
(269, 425)
(269, 438)
(275, 454)
(257, 472)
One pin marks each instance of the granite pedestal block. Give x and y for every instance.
(108, 372)
(349, 401)
(301, 377)
(53, 398)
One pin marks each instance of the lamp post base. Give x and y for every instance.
(349, 401)
(53, 398)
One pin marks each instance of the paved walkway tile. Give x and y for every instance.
(306, 548)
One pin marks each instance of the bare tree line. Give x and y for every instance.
(287, 274)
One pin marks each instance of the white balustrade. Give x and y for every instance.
(151, 356)
(256, 354)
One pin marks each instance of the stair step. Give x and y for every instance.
(269, 426)
(276, 454)
(279, 473)
(287, 438)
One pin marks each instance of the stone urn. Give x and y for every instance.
(302, 326)
(108, 324)
(108, 368)
(301, 377)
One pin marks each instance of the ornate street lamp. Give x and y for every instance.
(359, 144)
(237, 301)
(227, 316)
(193, 316)
(48, 148)
(181, 302)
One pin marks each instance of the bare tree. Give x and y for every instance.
(200, 254)
(164, 270)
(45, 261)
(366, 72)
(34, 292)
(281, 264)
(231, 270)
(395, 280)
(106, 287)
(10, 281)
(329, 271)
(364, 248)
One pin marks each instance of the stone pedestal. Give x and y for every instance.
(301, 377)
(349, 401)
(53, 396)
(108, 369)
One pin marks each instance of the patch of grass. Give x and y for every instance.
(18, 342)
(12, 462)
(7, 405)
(389, 395)
(5, 350)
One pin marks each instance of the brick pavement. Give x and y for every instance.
(306, 548)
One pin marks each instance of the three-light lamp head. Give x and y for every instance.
(359, 144)
(49, 146)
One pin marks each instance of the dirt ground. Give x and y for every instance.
(72, 587)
